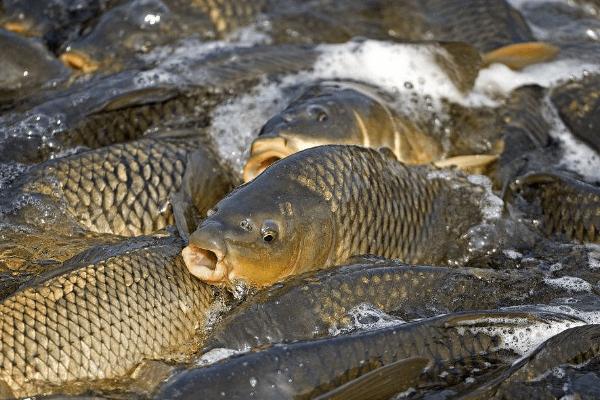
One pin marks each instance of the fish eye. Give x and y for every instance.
(269, 231)
(319, 112)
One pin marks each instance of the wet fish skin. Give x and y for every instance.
(578, 104)
(338, 113)
(125, 189)
(486, 24)
(127, 28)
(306, 369)
(99, 315)
(574, 346)
(316, 304)
(349, 199)
(567, 206)
(27, 66)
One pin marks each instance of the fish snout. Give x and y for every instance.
(205, 253)
(265, 151)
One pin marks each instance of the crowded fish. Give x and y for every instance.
(299, 199)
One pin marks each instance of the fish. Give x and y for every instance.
(578, 105)
(336, 112)
(574, 346)
(126, 189)
(311, 368)
(567, 206)
(139, 26)
(351, 200)
(111, 109)
(323, 302)
(99, 315)
(27, 67)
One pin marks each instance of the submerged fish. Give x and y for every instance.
(317, 304)
(578, 104)
(138, 26)
(576, 346)
(98, 316)
(26, 67)
(353, 113)
(126, 189)
(349, 200)
(568, 207)
(455, 343)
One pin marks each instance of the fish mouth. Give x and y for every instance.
(206, 265)
(265, 151)
(79, 61)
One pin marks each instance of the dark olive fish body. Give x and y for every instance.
(307, 369)
(568, 207)
(315, 305)
(575, 346)
(130, 122)
(319, 207)
(125, 189)
(578, 104)
(98, 316)
(486, 24)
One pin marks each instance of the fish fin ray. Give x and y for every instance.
(520, 55)
(383, 382)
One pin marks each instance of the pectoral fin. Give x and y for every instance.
(381, 383)
(520, 55)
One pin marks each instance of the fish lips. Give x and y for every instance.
(206, 265)
(265, 151)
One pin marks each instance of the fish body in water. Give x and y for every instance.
(350, 200)
(578, 104)
(568, 207)
(317, 304)
(576, 346)
(126, 189)
(26, 66)
(99, 315)
(308, 369)
(353, 113)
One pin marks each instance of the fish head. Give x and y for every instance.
(328, 113)
(263, 231)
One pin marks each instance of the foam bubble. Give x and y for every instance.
(365, 316)
(569, 283)
(498, 79)
(519, 334)
(215, 355)
(577, 156)
(490, 204)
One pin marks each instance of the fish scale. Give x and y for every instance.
(411, 208)
(99, 320)
(134, 179)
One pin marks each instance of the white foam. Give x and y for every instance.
(569, 283)
(236, 122)
(365, 316)
(398, 67)
(498, 79)
(593, 256)
(490, 204)
(512, 254)
(577, 156)
(518, 334)
(214, 355)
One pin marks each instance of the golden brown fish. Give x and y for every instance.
(354, 113)
(98, 316)
(320, 206)
(126, 189)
